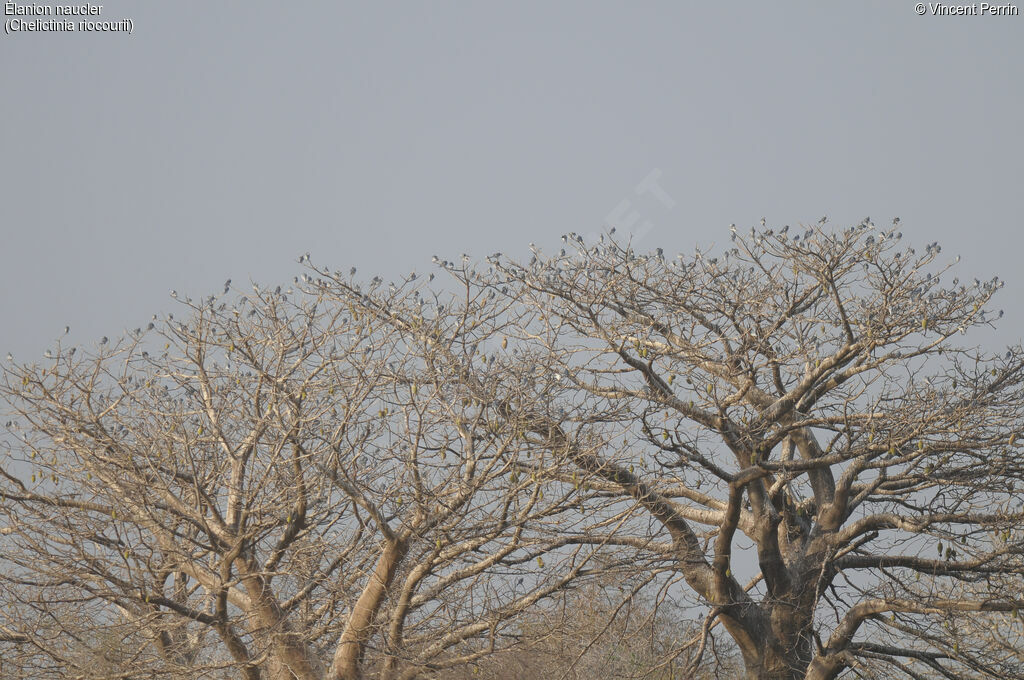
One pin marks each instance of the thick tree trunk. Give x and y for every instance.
(289, 658)
(780, 647)
(347, 663)
(775, 664)
(825, 668)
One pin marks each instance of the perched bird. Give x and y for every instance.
(352, 272)
(67, 329)
(174, 293)
(104, 340)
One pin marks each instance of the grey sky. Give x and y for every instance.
(223, 139)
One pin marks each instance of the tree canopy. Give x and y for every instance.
(345, 479)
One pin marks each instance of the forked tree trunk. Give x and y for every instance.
(289, 657)
(348, 659)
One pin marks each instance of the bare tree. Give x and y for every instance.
(621, 629)
(800, 401)
(303, 488)
(341, 481)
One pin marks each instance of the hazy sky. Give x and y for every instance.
(223, 139)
